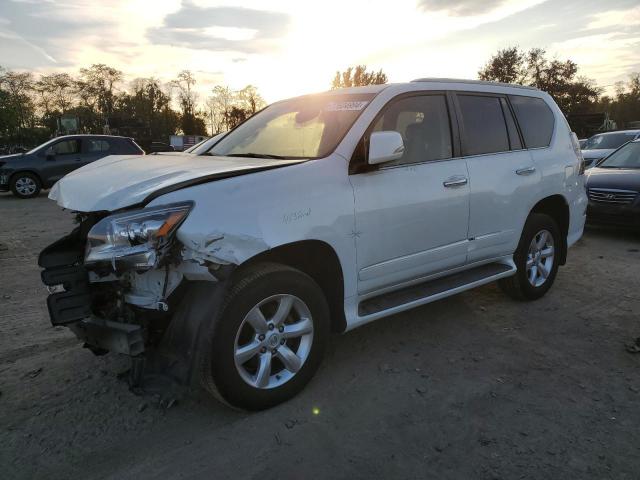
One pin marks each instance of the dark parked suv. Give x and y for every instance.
(25, 174)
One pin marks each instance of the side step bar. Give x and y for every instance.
(430, 291)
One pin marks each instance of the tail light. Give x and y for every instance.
(576, 148)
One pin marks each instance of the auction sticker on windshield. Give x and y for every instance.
(342, 106)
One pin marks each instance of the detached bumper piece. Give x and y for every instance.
(125, 338)
(63, 268)
(75, 302)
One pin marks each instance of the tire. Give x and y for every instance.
(235, 361)
(25, 185)
(527, 284)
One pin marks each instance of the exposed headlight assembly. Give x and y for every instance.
(134, 240)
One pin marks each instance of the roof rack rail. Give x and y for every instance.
(473, 82)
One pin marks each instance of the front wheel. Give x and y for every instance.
(25, 185)
(269, 339)
(536, 259)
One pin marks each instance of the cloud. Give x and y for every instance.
(461, 8)
(221, 28)
(36, 34)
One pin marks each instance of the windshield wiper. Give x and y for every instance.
(257, 155)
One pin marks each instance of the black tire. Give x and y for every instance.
(30, 179)
(518, 286)
(219, 374)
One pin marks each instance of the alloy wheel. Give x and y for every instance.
(274, 341)
(26, 186)
(540, 258)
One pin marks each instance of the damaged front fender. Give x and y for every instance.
(221, 248)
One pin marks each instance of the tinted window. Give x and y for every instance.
(97, 146)
(535, 119)
(66, 147)
(484, 127)
(514, 137)
(423, 122)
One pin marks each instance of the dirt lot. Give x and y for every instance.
(476, 386)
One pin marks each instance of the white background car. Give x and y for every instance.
(599, 146)
(319, 213)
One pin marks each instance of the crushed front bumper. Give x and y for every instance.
(69, 302)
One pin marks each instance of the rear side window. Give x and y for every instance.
(535, 118)
(483, 124)
(97, 146)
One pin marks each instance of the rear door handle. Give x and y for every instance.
(456, 181)
(526, 171)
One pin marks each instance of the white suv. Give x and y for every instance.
(319, 213)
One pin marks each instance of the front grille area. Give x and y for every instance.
(614, 197)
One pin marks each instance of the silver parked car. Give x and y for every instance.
(602, 144)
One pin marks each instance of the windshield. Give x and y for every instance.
(627, 157)
(305, 127)
(608, 141)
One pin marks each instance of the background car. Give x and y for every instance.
(156, 147)
(199, 148)
(613, 188)
(205, 145)
(602, 144)
(27, 173)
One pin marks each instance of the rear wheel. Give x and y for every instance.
(536, 259)
(25, 185)
(269, 340)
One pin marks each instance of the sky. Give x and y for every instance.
(292, 47)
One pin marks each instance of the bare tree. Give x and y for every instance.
(358, 76)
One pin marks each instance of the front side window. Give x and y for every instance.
(627, 157)
(66, 147)
(608, 141)
(483, 125)
(305, 127)
(423, 122)
(535, 118)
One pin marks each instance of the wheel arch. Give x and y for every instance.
(320, 261)
(556, 207)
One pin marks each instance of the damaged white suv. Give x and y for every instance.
(320, 213)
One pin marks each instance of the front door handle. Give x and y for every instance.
(526, 170)
(456, 181)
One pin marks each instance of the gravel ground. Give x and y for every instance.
(474, 386)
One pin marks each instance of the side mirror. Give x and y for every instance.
(50, 154)
(385, 147)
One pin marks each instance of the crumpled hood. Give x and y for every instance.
(119, 181)
(597, 153)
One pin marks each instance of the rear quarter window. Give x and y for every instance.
(535, 118)
(127, 146)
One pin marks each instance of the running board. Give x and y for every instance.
(430, 291)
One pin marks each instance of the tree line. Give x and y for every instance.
(32, 106)
(574, 94)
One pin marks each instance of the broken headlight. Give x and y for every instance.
(134, 240)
